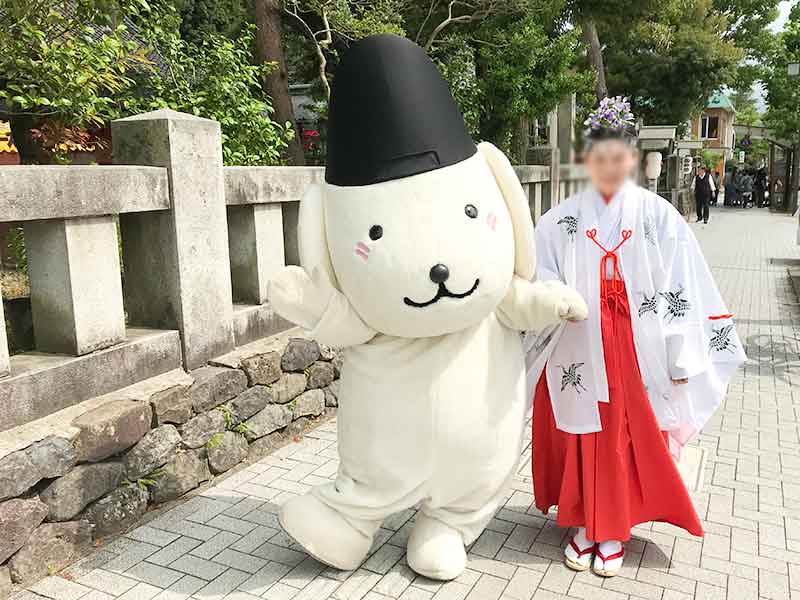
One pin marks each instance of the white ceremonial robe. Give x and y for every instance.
(680, 323)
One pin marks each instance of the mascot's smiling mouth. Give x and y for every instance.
(442, 292)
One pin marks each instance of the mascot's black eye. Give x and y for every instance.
(375, 232)
(471, 211)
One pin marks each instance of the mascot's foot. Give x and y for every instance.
(436, 550)
(324, 533)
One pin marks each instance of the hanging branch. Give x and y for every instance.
(431, 8)
(319, 44)
(472, 11)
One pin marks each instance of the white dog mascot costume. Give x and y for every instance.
(417, 257)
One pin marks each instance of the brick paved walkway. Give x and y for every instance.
(227, 544)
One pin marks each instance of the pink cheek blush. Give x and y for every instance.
(362, 251)
(491, 221)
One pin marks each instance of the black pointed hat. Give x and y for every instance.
(391, 115)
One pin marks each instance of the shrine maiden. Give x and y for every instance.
(642, 374)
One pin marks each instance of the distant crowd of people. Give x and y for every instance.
(746, 188)
(743, 187)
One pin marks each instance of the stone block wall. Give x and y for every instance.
(152, 444)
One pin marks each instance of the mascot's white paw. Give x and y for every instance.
(436, 550)
(324, 533)
(571, 305)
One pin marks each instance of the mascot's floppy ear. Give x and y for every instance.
(312, 239)
(518, 208)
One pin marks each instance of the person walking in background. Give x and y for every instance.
(760, 187)
(703, 186)
(776, 196)
(730, 188)
(747, 190)
(717, 181)
(739, 182)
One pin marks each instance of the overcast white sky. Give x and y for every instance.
(784, 7)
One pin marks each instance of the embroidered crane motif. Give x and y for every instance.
(649, 304)
(721, 340)
(676, 305)
(570, 225)
(650, 230)
(571, 377)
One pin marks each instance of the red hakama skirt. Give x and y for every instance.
(621, 476)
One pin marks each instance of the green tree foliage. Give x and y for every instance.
(200, 18)
(505, 73)
(431, 22)
(670, 64)
(328, 25)
(756, 151)
(746, 110)
(66, 62)
(216, 79)
(747, 27)
(748, 24)
(783, 90)
(590, 15)
(505, 61)
(81, 63)
(524, 74)
(709, 159)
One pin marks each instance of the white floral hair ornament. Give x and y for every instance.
(613, 113)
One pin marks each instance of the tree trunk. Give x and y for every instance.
(589, 32)
(269, 48)
(520, 140)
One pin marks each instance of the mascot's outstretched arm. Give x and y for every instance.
(314, 304)
(534, 305)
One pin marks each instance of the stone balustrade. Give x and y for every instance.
(158, 262)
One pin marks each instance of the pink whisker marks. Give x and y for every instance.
(362, 250)
(491, 220)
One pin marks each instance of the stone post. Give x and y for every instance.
(535, 199)
(177, 267)
(566, 130)
(76, 290)
(255, 239)
(555, 171)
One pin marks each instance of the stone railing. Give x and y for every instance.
(198, 242)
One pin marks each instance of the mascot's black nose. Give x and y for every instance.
(439, 273)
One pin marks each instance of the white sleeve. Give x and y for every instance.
(546, 258)
(713, 185)
(685, 338)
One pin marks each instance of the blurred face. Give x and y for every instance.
(609, 164)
